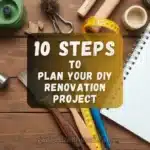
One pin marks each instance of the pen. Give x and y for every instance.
(100, 126)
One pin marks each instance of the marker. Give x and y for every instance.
(100, 126)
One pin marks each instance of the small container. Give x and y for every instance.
(12, 14)
(135, 17)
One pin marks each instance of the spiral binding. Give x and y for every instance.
(132, 57)
(137, 50)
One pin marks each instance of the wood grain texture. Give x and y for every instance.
(37, 131)
(30, 131)
(13, 53)
(14, 99)
(72, 7)
(33, 129)
(68, 9)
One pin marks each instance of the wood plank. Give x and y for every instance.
(13, 55)
(69, 12)
(21, 131)
(14, 99)
(30, 131)
(40, 132)
(13, 61)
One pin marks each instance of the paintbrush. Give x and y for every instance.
(68, 131)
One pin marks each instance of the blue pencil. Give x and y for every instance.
(100, 126)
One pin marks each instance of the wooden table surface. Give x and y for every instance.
(23, 128)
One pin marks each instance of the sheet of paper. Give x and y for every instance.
(134, 114)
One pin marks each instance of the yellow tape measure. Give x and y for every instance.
(91, 126)
(95, 22)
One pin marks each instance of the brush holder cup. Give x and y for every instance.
(12, 14)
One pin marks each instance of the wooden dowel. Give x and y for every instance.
(85, 8)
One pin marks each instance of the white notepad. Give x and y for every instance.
(134, 114)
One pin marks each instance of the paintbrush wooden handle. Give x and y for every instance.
(106, 9)
(69, 132)
(83, 129)
(66, 128)
(86, 6)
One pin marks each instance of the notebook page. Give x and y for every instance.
(134, 114)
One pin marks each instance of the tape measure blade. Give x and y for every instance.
(98, 22)
(91, 126)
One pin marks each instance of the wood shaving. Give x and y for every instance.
(41, 25)
(33, 28)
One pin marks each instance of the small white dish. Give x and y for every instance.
(135, 17)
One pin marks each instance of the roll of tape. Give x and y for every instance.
(94, 22)
(135, 17)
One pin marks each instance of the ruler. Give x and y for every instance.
(86, 113)
(91, 126)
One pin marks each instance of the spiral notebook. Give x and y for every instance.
(134, 114)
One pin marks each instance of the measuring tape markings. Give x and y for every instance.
(86, 113)
(91, 126)
(96, 22)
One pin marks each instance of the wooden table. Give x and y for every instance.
(23, 128)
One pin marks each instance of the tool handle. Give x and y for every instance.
(83, 129)
(100, 126)
(106, 9)
(67, 130)
(85, 8)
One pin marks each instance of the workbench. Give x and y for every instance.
(24, 128)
